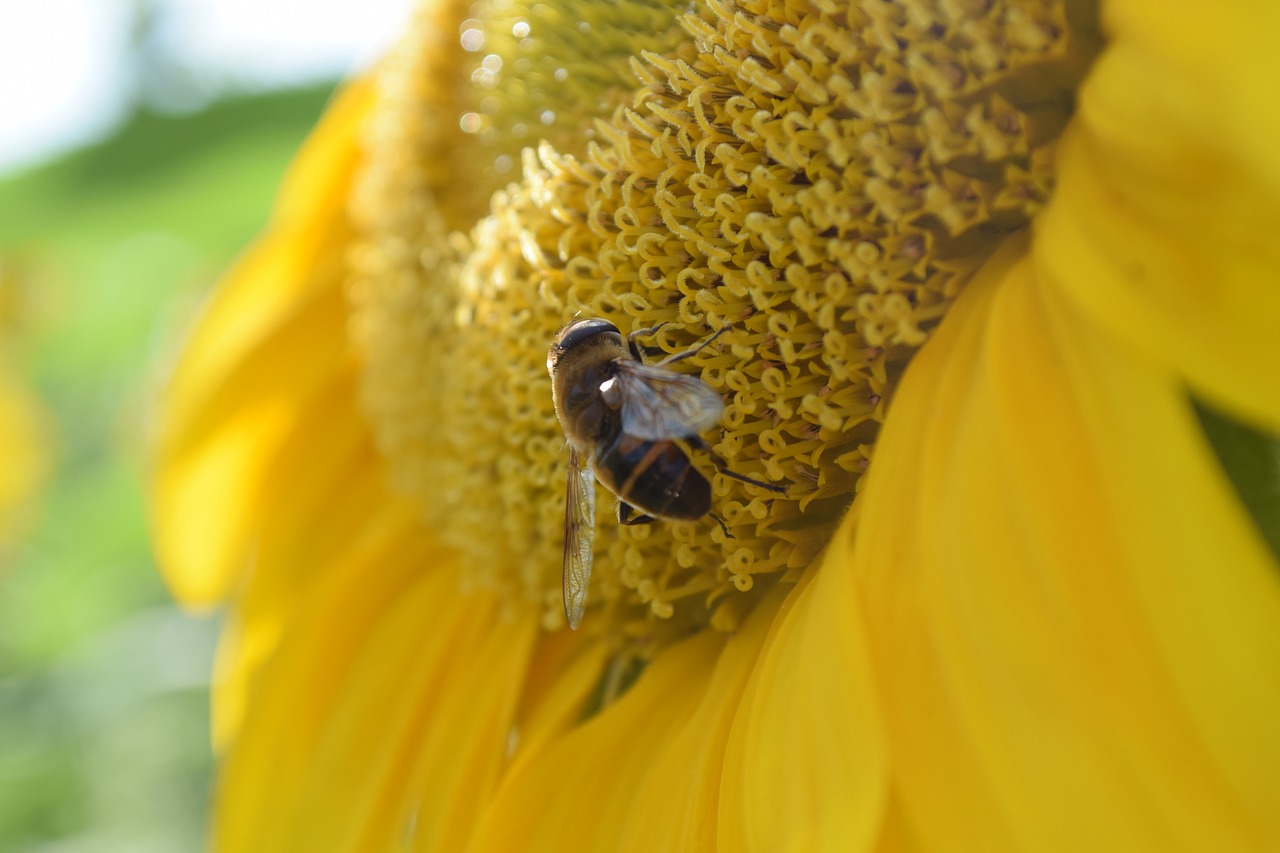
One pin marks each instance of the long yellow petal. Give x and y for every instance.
(344, 494)
(645, 773)
(1075, 628)
(564, 672)
(273, 337)
(677, 803)
(806, 767)
(383, 716)
(1165, 218)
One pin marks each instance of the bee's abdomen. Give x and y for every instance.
(655, 477)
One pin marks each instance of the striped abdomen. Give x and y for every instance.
(655, 477)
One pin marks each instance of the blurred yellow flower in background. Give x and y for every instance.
(986, 253)
(24, 425)
(22, 432)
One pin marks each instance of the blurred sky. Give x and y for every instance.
(70, 69)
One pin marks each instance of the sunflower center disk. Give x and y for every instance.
(822, 183)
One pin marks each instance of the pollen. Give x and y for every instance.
(818, 178)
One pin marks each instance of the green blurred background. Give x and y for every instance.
(105, 255)
(103, 681)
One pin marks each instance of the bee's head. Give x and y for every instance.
(575, 334)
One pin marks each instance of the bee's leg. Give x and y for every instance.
(629, 515)
(697, 443)
(681, 356)
(636, 352)
(724, 527)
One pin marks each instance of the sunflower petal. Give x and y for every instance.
(1163, 225)
(384, 713)
(806, 763)
(644, 774)
(563, 674)
(272, 337)
(296, 551)
(577, 795)
(1075, 627)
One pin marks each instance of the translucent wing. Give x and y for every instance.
(659, 404)
(579, 536)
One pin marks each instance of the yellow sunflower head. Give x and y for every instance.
(819, 181)
(975, 271)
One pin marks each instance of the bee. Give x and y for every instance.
(624, 421)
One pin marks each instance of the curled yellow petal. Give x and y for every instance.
(1164, 222)
(1075, 627)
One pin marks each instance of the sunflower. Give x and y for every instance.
(991, 272)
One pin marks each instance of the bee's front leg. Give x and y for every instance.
(680, 356)
(636, 352)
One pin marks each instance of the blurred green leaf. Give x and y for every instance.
(1251, 460)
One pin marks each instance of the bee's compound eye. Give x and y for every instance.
(576, 333)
